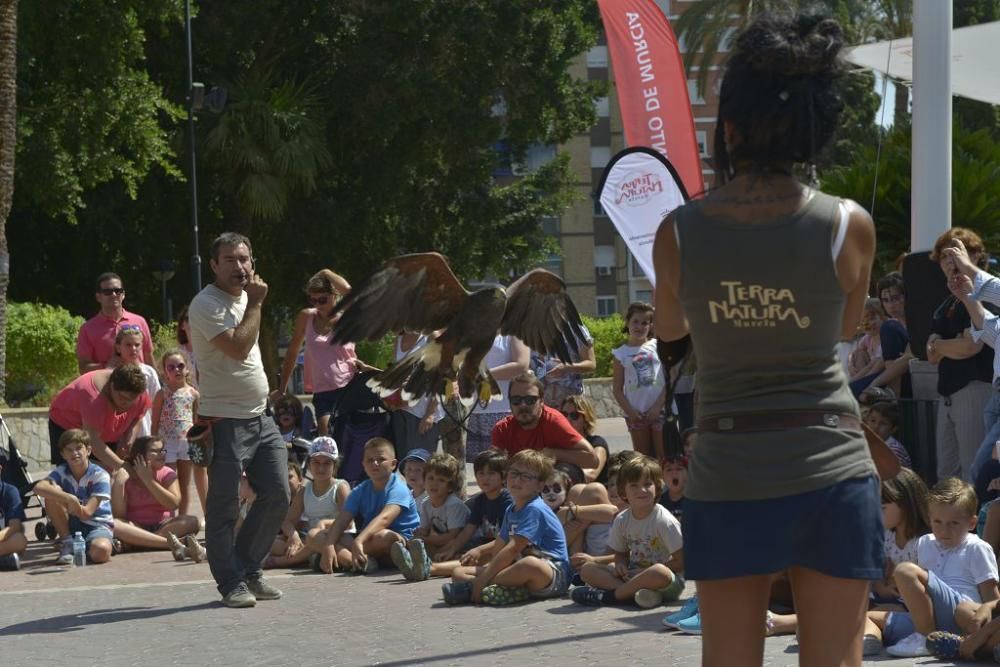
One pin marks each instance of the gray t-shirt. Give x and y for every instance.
(452, 514)
(229, 388)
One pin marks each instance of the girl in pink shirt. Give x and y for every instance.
(145, 507)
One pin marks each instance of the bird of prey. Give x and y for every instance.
(420, 293)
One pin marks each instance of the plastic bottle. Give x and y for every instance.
(79, 550)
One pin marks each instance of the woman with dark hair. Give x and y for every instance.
(763, 276)
(893, 380)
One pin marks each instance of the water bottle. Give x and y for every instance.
(79, 550)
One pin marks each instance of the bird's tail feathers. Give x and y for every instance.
(416, 375)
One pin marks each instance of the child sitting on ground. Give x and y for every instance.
(145, 507)
(77, 498)
(442, 518)
(647, 543)
(675, 479)
(952, 565)
(882, 417)
(317, 503)
(412, 470)
(382, 508)
(288, 413)
(13, 543)
(529, 556)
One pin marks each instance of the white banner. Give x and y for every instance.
(638, 189)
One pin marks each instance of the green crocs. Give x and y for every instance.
(500, 596)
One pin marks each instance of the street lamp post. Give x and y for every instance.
(164, 271)
(196, 258)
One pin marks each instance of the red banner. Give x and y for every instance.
(652, 86)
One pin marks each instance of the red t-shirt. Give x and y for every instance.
(80, 405)
(96, 340)
(553, 430)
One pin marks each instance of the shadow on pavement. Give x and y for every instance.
(74, 622)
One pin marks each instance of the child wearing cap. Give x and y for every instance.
(317, 503)
(412, 470)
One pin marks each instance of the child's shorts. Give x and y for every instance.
(836, 530)
(655, 423)
(325, 402)
(560, 581)
(944, 598)
(89, 532)
(176, 450)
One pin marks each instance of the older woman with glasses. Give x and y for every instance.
(328, 368)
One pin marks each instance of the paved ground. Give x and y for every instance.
(144, 608)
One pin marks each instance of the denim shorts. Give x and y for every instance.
(836, 530)
(944, 598)
(325, 402)
(89, 532)
(560, 581)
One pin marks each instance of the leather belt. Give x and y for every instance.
(778, 421)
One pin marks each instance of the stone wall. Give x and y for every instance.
(30, 426)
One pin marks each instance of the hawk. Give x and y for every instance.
(420, 293)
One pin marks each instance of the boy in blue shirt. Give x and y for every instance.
(529, 555)
(12, 539)
(382, 508)
(78, 499)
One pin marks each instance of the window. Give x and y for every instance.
(535, 157)
(693, 94)
(645, 295)
(701, 136)
(600, 156)
(604, 259)
(601, 107)
(607, 306)
(550, 226)
(597, 56)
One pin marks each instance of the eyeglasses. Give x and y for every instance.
(524, 400)
(319, 300)
(176, 367)
(571, 415)
(555, 488)
(108, 291)
(517, 474)
(161, 452)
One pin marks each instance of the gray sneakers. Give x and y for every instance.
(262, 590)
(239, 598)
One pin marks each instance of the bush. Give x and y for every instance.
(607, 333)
(164, 338)
(41, 352)
(378, 353)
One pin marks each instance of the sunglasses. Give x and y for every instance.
(524, 400)
(571, 415)
(130, 327)
(555, 488)
(176, 367)
(108, 291)
(319, 300)
(517, 474)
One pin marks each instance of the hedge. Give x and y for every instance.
(41, 352)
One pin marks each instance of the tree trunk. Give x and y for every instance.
(8, 145)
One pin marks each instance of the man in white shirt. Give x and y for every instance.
(225, 324)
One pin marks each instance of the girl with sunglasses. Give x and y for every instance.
(174, 410)
(129, 344)
(328, 368)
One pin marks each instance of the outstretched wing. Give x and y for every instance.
(540, 313)
(416, 292)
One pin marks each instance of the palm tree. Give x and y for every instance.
(8, 146)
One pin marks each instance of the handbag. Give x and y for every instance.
(200, 442)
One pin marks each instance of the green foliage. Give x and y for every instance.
(41, 351)
(164, 338)
(377, 353)
(608, 334)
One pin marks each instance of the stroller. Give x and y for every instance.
(15, 473)
(360, 416)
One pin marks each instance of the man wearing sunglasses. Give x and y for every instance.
(533, 425)
(95, 344)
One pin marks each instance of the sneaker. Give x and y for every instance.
(193, 549)
(10, 562)
(588, 595)
(420, 559)
(871, 646)
(647, 598)
(943, 645)
(501, 596)
(457, 593)
(402, 560)
(262, 590)
(912, 646)
(239, 598)
(687, 610)
(177, 548)
(65, 552)
(690, 625)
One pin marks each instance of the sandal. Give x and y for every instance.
(500, 596)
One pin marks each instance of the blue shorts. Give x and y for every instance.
(836, 530)
(944, 598)
(325, 402)
(89, 532)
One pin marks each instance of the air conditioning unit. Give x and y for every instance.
(605, 270)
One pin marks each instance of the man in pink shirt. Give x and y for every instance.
(96, 342)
